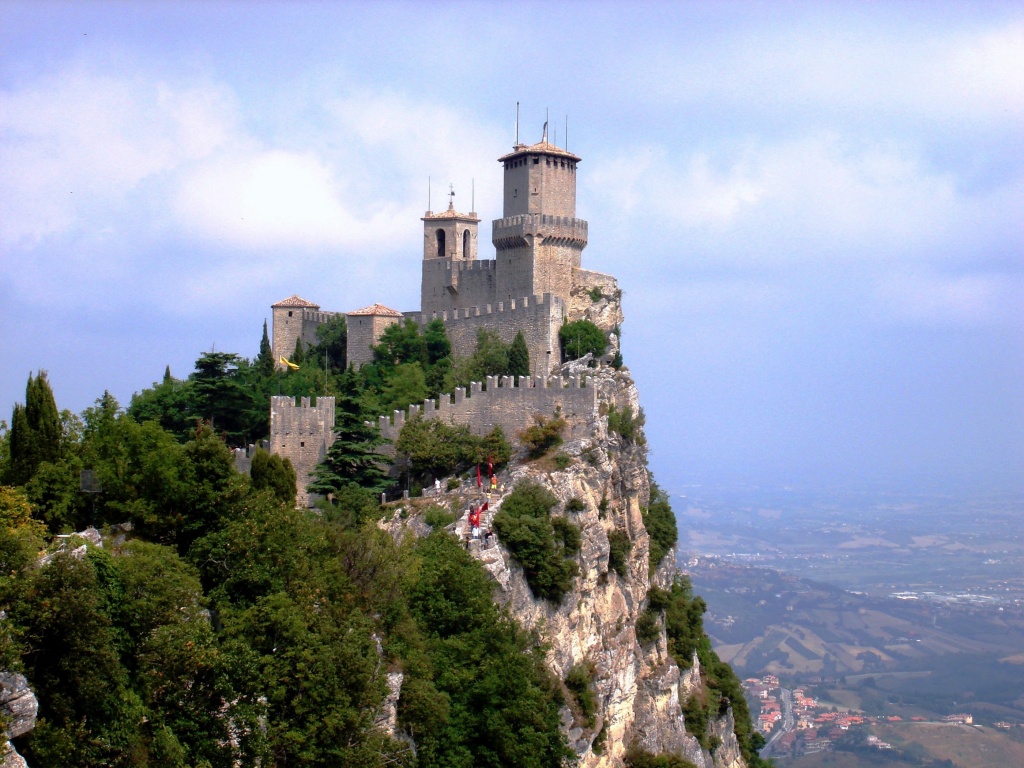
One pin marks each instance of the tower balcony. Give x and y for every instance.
(512, 231)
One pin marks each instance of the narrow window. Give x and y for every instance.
(465, 244)
(440, 243)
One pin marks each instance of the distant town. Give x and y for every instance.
(795, 723)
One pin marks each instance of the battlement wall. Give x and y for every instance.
(293, 324)
(509, 404)
(511, 231)
(301, 433)
(538, 317)
(448, 284)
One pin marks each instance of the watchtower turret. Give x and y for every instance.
(538, 240)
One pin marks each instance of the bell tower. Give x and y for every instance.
(538, 241)
(449, 256)
(450, 235)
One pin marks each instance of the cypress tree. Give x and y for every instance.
(35, 430)
(43, 417)
(20, 441)
(518, 357)
(299, 355)
(168, 379)
(265, 359)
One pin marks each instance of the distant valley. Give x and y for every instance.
(903, 609)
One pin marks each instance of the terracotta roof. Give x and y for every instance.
(295, 301)
(378, 310)
(541, 147)
(451, 213)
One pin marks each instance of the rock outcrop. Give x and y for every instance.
(18, 708)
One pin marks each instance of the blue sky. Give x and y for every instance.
(814, 209)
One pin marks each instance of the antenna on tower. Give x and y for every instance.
(544, 138)
(428, 195)
(517, 124)
(451, 197)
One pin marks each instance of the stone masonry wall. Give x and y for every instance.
(449, 284)
(507, 404)
(301, 433)
(538, 317)
(294, 323)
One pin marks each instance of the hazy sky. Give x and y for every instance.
(815, 210)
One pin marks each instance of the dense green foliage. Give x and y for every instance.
(660, 522)
(36, 431)
(580, 682)
(542, 545)
(518, 356)
(352, 458)
(435, 449)
(619, 546)
(230, 628)
(638, 758)
(275, 474)
(543, 435)
(580, 338)
(626, 424)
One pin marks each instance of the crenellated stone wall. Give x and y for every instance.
(301, 433)
(508, 404)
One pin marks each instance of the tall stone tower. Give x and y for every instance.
(538, 240)
(453, 277)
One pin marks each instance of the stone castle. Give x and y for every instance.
(534, 284)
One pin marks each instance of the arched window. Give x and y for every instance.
(440, 244)
(465, 244)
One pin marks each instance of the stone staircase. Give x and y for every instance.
(485, 549)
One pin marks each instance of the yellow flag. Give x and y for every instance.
(289, 363)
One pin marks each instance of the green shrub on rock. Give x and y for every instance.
(542, 545)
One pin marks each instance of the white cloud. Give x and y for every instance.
(820, 197)
(76, 143)
(272, 199)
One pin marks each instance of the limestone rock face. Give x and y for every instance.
(597, 297)
(639, 690)
(19, 706)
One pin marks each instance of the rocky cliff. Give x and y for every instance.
(18, 707)
(639, 689)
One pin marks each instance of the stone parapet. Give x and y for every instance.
(512, 231)
(302, 434)
(512, 405)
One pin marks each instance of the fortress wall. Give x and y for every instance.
(510, 405)
(292, 324)
(301, 433)
(538, 317)
(588, 278)
(363, 332)
(448, 285)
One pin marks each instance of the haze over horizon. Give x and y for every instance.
(814, 210)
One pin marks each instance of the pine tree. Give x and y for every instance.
(518, 357)
(351, 459)
(265, 360)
